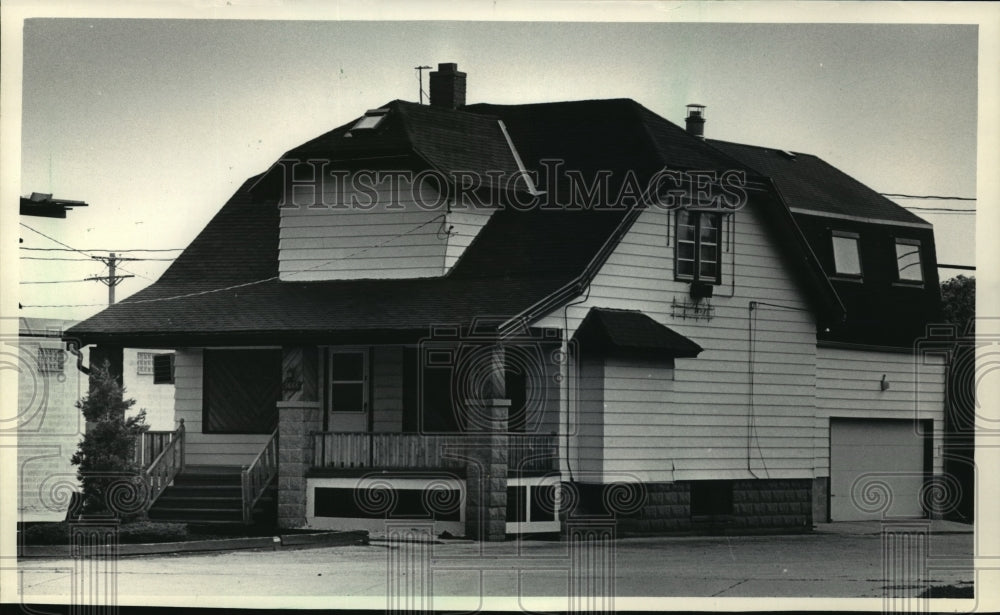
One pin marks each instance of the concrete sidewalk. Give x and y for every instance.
(935, 526)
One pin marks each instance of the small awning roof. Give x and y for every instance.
(606, 329)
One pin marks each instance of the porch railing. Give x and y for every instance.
(150, 445)
(258, 475)
(359, 450)
(166, 465)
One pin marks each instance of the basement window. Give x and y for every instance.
(846, 255)
(711, 498)
(908, 264)
(698, 246)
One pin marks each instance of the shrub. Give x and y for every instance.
(105, 456)
(128, 533)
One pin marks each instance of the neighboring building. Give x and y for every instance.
(49, 426)
(395, 305)
(44, 206)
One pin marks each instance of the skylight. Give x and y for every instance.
(371, 119)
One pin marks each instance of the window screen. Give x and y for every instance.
(241, 391)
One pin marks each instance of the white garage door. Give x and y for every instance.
(875, 457)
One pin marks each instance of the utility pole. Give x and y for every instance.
(420, 71)
(111, 280)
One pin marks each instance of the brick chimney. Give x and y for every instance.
(448, 87)
(695, 120)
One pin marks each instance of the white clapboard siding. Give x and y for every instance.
(206, 448)
(387, 387)
(379, 232)
(848, 386)
(699, 423)
(587, 446)
(395, 234)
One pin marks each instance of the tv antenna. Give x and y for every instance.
(420, 76)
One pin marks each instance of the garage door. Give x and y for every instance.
(882, 454)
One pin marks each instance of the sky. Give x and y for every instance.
(156, 122)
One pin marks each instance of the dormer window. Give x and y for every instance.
(698, 251)
(371, 119)
(846, 255)
(908, 265)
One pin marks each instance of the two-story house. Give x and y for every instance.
(494, 319)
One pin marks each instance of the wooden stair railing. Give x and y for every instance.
(258, 475)
(150, 444)
(168, 464)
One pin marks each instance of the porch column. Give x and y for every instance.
(486, 469)
(298, 416)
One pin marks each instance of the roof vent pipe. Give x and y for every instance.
(448, 87)
(695, 120)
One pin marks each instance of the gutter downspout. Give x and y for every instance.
(71, 347)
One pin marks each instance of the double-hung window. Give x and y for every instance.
(698, 246)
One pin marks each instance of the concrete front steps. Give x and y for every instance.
(211, 495)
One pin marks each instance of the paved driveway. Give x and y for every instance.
(457, 574)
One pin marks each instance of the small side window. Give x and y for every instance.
(144, 363)
(846, 255)
(908, 265)
(163, 368)
(51, 360)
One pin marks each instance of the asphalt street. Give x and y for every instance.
(459, 574)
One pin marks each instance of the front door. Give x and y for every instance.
(347, 402)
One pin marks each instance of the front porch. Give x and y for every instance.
(358, 481)
(297, 421)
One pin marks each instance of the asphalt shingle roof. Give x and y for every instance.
(809, 183)
(225, 282)
(631, 330)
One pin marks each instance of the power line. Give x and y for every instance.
(102, 249)
(927, 196)
(61, 305)
(944, 210)
(44, 258)
(69, 247)
(245, 284)
(52, 282)
(89, 260)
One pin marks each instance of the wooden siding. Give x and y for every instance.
(848, 386)
(202, 448)
(387, 387)
(699, 429)
(587, 447)
(391, 236)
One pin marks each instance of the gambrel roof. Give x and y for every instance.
(224, 287)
